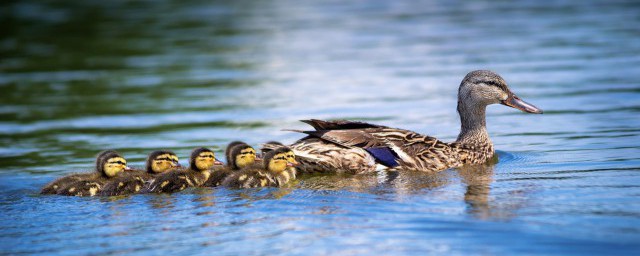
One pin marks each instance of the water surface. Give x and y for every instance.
(77, 78)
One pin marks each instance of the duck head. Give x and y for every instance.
(202, 159)
(110, 163)
(161, 160)
(276, 161)
(483, 87)
(241, 156)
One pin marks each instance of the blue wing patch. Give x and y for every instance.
(384, 155)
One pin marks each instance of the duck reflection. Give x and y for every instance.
(477, 179)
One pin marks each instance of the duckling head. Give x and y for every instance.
(291, 157)
(111, 164)
(161, 160)
(483, 87)
(202, 159)
(241, 156)
(227, 151)
(276, 161)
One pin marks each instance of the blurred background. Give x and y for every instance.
(77, 77)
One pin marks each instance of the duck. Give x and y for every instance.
(52, 187)
(133, 181)
(354, 147)
(291, 156)
(273, 173)
(109, 165)
(239, 155)
(200, 163)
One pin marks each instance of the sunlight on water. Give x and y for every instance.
(81, 77)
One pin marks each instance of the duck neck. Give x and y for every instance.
(473, 130)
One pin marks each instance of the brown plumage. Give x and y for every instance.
(200, 164)
(357, 147)
(236, 151)
(135, 180)
(275, 172)
(109, 165)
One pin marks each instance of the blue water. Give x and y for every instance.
(77, 78)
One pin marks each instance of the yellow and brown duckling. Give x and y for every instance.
(291, 156)
(109, 165)
(274, 172)
(133, 181)
(201, 162)
(239, 155)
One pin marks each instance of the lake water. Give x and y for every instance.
(77, 78)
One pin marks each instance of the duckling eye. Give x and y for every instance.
(280, 158)
(118, 162)
(164, 159)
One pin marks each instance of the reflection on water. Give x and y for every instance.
(80, 77)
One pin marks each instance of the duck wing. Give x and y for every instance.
(338, 124)
(389, 146)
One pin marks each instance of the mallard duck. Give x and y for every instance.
(52, 187)
(133, 181)
(109, 165)
(273, 173)
(358, 147)
(200, 164)
(239, 155)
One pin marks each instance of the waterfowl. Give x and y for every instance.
(358, 147)
(291, 156)
(52, 187)
(158, 161)
(200, 163)
(239, 155)
(109, 165)
(273, 173)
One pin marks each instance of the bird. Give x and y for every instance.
(109, 165)
(200, 163)
(239, 155)
(273, 173)
(133, 181)
(358, 147)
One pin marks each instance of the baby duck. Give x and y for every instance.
(200, 164)
(273, 173)
(239, 155)
(53, 186)
(158, 161)
(110, 165)
(291, 157)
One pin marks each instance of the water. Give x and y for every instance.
(77, 78)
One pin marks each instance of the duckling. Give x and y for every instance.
(55, 185)
(133, 181)
(111, 165)
(273, 173)
(291, 157)
(200, 164)
(239, 155)
(358, 147)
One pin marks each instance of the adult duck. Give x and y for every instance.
(358, 147)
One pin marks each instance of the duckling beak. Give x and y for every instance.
(217, 163)
(127, 168)
(515, 102)
(258, 159)
(296, 163)
(177, 165)
(290, 165)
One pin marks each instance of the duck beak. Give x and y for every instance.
(515, 102)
